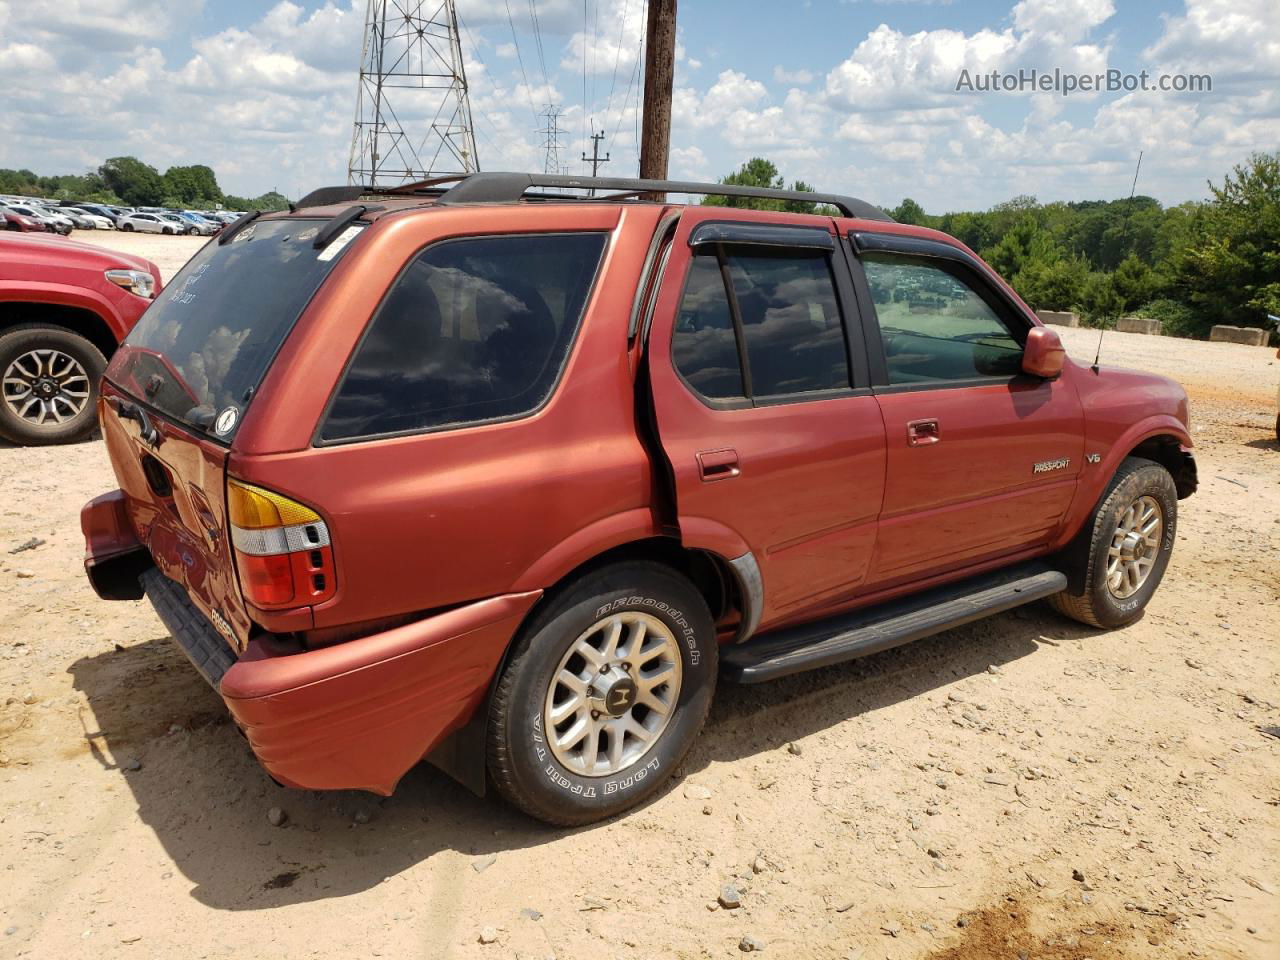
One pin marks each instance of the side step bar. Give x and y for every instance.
(863, 632)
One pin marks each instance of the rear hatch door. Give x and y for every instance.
(178, 389)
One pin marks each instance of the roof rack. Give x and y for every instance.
(510, 187)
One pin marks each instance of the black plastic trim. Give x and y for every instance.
(236, 226)
(648, 278)
(510, 187)
(761, 234)
(339, 223)
(873, 629)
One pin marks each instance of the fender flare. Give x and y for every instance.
(1095, 477)
(65, 295)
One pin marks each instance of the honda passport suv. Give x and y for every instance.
(506, 479)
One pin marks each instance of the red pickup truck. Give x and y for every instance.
(508, 479)
(64, 307)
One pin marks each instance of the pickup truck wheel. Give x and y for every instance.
(603, 695)
(48, 385)
(1125, 547)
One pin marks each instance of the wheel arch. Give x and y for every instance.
(78, 317)
(723, 583)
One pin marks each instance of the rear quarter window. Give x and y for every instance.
(473, 330)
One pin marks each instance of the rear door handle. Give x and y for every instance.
(923, 432)
(718, 465)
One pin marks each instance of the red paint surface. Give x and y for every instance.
(837, 506)
(49, 269)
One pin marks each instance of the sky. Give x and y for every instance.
(851, 96)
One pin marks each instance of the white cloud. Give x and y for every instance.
(799, 77)
(269, 101)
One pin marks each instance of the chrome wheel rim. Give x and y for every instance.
(1135, 544)
(46, 387)
(613, 694)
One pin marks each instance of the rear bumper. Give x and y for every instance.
(360, 714)
(356, 715)
(113, 557)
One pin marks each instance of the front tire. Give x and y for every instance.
(127, 228)
(49, 387)
(1120, 556)
(606, 690)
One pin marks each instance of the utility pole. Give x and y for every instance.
(659, 73)
(595, 159)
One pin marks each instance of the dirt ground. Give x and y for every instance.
(1021, 787)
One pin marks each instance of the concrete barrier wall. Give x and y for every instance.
(1147, 325)
(1058, 319)
(1250, 336)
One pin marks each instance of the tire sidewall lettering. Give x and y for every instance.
(650, 765)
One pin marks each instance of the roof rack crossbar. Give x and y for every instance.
(509, 187)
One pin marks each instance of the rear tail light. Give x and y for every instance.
(282, 548)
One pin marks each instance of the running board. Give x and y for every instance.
(870, 630)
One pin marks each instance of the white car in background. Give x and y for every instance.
(98, 221)
(147, 223)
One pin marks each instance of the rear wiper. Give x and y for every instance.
(236, 226)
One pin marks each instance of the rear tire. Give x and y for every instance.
(1121, 553)
(551, 688)
(36, 360)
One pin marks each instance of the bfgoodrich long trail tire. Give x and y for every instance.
(605, 691)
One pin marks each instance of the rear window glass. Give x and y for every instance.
(202, 348)
(473, 330)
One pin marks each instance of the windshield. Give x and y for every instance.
(200, 351)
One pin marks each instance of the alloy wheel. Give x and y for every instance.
(613, 694)
(46, 387)
(1135, 545)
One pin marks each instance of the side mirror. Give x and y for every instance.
(1044, 354)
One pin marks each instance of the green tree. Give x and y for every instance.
(1052, 284)
(193, 185)
(759, 172)
(136, 183)
(910, 212)
(1229, 269)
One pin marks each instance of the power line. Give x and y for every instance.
(617, 57)
(475, 48)
(537, 38)
(635, 73)
(520, 60)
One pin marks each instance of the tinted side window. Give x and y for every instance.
(791, 321)
(935, 326)
(788, 316)
(473, 330)
(703, 345)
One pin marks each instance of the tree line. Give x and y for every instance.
(1200, 263)
(128, 181)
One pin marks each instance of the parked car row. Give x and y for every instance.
(34, 215)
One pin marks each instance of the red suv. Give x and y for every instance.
(506, 479)
(64, 306)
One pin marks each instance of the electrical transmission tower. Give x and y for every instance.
(551, 140)
(413, 117)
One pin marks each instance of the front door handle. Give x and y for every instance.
(718, 465)
(923, 432)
